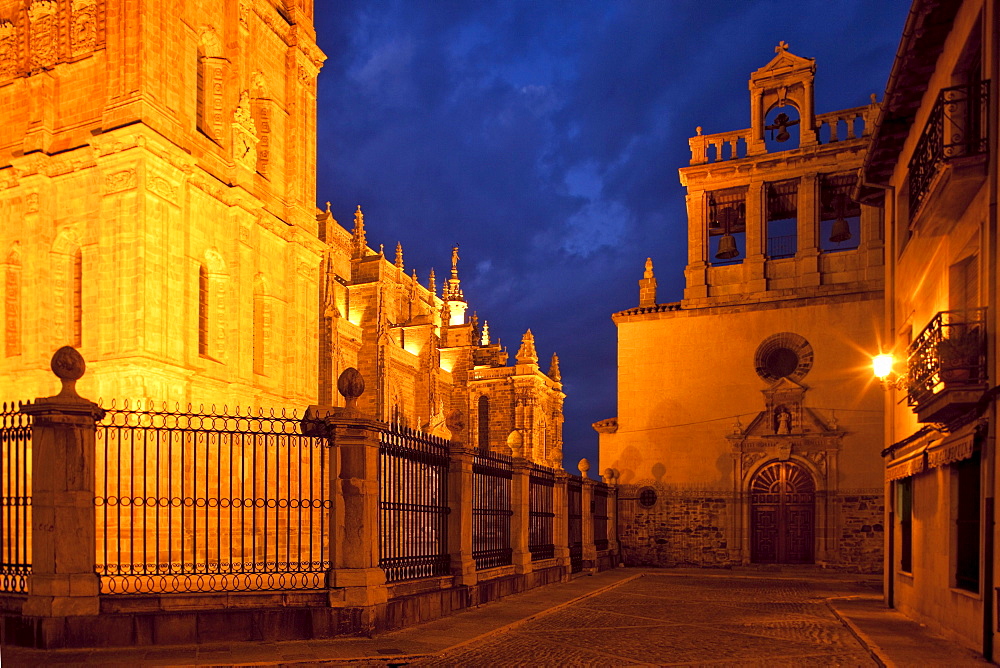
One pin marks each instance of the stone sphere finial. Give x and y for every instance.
(68, 364)
(455, 421)
(351, 386)
(584, 466)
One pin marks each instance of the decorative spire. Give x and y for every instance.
(359, 242)
(445, 314)
(647, 286)
(485, 338)
(474, 321)
(453, 288)
(399, 256)
(431, 283)
(526, 353)
(554, 372)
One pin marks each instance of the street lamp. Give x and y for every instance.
(882, 366)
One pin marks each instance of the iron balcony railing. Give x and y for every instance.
(950, 350)
(957, 128)
(541, 514)
(574, 524)
(782, 246)
(15, 499)
(491, 509)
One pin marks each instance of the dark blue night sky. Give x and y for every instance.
(544, 137)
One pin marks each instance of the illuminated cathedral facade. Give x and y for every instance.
(157, 193)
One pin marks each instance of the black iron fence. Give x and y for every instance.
(202, 501)
(491, 510)
(413, 504)
(957, 127)
(574, 523)
(15, 497)
(600, 516)
(541, 513)
(215, 501)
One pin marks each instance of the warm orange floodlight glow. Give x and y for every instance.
(882, 365)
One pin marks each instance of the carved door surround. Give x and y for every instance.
(786, 436)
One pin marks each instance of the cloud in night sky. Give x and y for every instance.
(545, 138)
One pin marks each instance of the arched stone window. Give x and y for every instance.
(211, 74)
(484, 423)
(12, 302)
(202, 311)
(262, 326)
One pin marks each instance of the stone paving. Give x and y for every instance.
(792, 616)
(682, 620)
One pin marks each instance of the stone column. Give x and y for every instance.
(756, 235)
(463, 567)
(560, 524)
(520, 505)
(354, 486)
(63, 581)
(807, 253)
(587, 523)
(613, 546)
(696, 272)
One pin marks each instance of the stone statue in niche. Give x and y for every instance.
(782, 421)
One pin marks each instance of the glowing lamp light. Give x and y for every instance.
(882, 365)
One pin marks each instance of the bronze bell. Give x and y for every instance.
(841, 231)
(727, 248)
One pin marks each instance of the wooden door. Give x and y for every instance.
(782, 515)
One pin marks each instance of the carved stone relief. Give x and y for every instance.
(84, 27)
(44, 35)
(8, 50)
(118, 181)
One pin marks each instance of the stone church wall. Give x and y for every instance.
(699, 528)
(682, 528)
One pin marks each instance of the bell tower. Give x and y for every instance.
(784, 83)
(770, 214)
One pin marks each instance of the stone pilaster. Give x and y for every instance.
(587, 520)
(354, 484)
(807, 253)
(63, 581)
(560, 529)
(520, 505)
(463, 568)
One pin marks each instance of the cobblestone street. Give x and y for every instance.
(687, 620)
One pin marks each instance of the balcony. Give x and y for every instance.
(949, 162)
(947, 366)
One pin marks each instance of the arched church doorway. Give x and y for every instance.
(782, 515)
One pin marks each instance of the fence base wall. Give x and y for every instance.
(261, 616)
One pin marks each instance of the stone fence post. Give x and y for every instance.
(63, 580)
(354, 486)
(611, 480)
(463, 566)
(560, 529)
(520, 519)
(587, 518)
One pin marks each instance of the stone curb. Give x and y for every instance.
(870, 645)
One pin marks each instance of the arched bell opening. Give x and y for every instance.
(781, 128)
(782, 514)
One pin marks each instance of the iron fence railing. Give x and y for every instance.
(957, 127)
(413, 504)
(491, 509)
(15, 497)
(574, 523)
(541, 513)
(202, 501)
(600, 516)
(781, 246)
(950, 350)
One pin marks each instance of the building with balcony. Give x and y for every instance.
(748, 428)
(932, 166)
